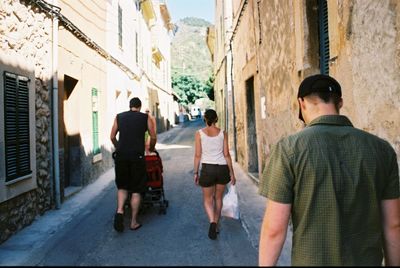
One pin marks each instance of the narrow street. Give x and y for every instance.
(271, 70)
(177, 238)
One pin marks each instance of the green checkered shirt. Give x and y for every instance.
(335, 176)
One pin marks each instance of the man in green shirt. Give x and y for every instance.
(339, 185)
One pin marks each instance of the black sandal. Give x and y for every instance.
(212, 231)
(119, 222)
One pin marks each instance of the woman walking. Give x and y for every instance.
(211, 149)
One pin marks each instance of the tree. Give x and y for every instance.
(188, 88)
(209, 87)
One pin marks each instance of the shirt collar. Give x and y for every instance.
(340, 120)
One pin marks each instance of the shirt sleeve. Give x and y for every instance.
(277, 179)
(391, 189)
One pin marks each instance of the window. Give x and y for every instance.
(16, 126)
(136, 48)
(120, 26)
(138, 4)
(95, 122)
(323, 36)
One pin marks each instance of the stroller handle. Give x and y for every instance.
(114, 154)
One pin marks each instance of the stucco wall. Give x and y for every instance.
(364, 48)
(372, 92)
(244, 49)
(79, 61)
(25, 34)
(277, 73)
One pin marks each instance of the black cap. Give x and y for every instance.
(318, 83)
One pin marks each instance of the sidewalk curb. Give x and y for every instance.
(26, 243)
(251, 204)
(252, 207)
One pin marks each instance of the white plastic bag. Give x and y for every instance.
(230, 204)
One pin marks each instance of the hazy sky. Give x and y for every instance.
(179, 9)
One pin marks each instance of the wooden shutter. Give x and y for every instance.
(323, 36)
(16, 126)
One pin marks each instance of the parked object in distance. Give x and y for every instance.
(195, 112)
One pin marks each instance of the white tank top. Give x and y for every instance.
(212, 148)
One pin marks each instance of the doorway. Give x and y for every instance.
(252, 151)
(71, 141)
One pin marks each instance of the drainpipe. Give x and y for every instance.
(56, 162)
(233, 100)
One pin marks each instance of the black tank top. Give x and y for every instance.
(132, 127)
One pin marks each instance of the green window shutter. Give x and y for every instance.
(323, 36)
(119, 26)
(16, 126)
(95, 122)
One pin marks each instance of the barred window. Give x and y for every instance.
(95, 121)
(16, 126)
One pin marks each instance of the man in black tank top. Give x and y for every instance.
(130, 166)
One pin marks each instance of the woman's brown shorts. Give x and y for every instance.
(212, 174)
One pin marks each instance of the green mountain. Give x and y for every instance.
(189, 51)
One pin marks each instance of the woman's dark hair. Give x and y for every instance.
(210, 117)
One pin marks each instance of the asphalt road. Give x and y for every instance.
(178, 238)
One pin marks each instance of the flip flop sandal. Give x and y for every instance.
(136, 227)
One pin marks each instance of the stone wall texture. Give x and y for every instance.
(26, 33)
(244, 67)
(365, 59)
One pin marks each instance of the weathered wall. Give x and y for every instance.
(26, 34)
(277, 73)
(219, 94)
(219, 63)
(371, 52)
(366, 64)
(283, 49)
(244, 66)
(83, 63)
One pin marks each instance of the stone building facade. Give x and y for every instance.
(26, 50)
(218, 41)
(82, 94)
(58, 86)
(277, 43)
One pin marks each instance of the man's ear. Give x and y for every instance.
(340, 103)
(301, 103)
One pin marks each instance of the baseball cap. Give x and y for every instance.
(318, 83)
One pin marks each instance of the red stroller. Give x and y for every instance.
(155, 183)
